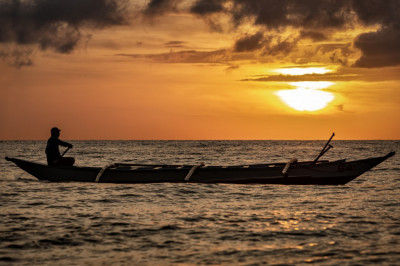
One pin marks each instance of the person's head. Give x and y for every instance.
(55, 132)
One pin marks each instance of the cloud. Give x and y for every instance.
(231, 68)
(191, 56)
(307, 77)
(313, 18)
(17, 57)
(160, 7)
(204, 7)
(372, 12)
(277, 45)
(274, 14)
(62, 26)
(380, 48)
(175, 44)
(341, 75)
(337, 52)
(249, 43)
(56, 25)
(313, 35)
(268, 45)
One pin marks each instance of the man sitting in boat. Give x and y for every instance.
(53, 153)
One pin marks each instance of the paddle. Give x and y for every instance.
(65, 152)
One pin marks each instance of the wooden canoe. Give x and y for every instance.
(296, 173)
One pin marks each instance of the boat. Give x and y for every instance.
(293, 172)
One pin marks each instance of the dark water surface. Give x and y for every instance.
(44, 223)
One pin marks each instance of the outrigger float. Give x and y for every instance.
(291, 173)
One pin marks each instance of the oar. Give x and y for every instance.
(324, 150)
(65, 152)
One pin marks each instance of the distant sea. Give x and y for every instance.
(44, 223)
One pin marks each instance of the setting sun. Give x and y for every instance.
(308, 96)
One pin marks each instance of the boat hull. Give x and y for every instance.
(322, 173)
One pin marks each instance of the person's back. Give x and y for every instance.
(53, 152)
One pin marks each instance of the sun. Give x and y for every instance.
(308, 96)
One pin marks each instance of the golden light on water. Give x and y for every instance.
(308, 96)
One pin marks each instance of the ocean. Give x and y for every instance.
(43, 223)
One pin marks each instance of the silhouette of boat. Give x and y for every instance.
(292, 173)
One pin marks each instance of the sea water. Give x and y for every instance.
(43, 223)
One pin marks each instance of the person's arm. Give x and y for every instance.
(65, 144)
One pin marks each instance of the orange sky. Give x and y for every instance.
(196, 71)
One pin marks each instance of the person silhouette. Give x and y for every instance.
(53, 153)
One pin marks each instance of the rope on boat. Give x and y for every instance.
(102, 170)
(194, 168)
(287, 166)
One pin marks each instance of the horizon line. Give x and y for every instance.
(199, 139)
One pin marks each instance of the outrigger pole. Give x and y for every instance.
(325, 149)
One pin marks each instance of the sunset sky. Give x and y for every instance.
(200, 69)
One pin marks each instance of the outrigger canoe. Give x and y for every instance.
(292, 173)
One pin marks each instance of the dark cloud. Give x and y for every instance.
(17, 57)
(160, 7)
(204, 7)
(280, 13)
(56, 24)
(249, 43)
(313, 18)
(345, 48)
(372, 12)
(62, 25)
(313, 35)
(380, 48)
(268, 45)
(201, 8)
(192, 56)
(277, 45)
(337, 52)
(175, 44)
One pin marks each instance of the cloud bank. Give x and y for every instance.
(314, 19)
(62, 25)
(53, 24)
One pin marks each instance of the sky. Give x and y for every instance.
(200, 69)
